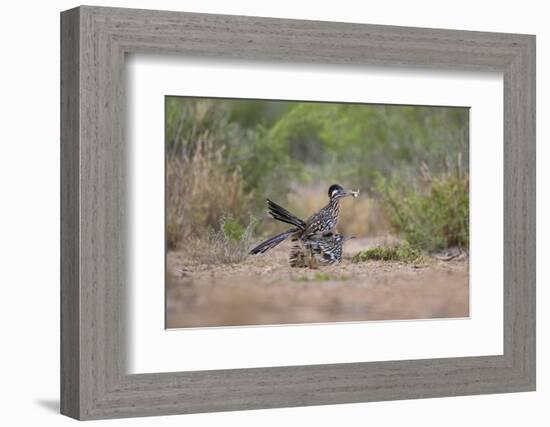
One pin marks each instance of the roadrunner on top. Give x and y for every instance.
(324, 221)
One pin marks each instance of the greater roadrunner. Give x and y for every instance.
(321, 222)
(319, 249)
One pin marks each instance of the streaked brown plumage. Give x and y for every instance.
(325, 220)
(318, 249)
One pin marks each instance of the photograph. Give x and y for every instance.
(289, 212)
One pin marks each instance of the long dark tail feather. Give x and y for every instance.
(281, 214)
(272, 242)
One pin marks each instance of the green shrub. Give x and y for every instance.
(432, 213)
(403, 253)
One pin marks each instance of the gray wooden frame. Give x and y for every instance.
(94, 382)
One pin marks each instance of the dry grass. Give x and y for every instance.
(200, 192)
(229, 244)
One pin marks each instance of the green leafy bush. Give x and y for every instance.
(432, 213)
(351, 142)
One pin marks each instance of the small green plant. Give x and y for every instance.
(432, 213)
(403, 253)
(318, 277)
(321, 276)
(232, 230)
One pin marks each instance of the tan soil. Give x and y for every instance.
(265, 290)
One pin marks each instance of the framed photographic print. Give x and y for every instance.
(262, 213)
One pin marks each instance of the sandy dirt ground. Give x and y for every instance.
(265, 290)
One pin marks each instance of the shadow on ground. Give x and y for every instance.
(51, 405)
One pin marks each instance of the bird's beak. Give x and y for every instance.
(352, 193)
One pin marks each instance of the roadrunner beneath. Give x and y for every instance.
(319, 249)
(325, 220)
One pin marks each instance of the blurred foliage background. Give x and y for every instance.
(224, 157)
